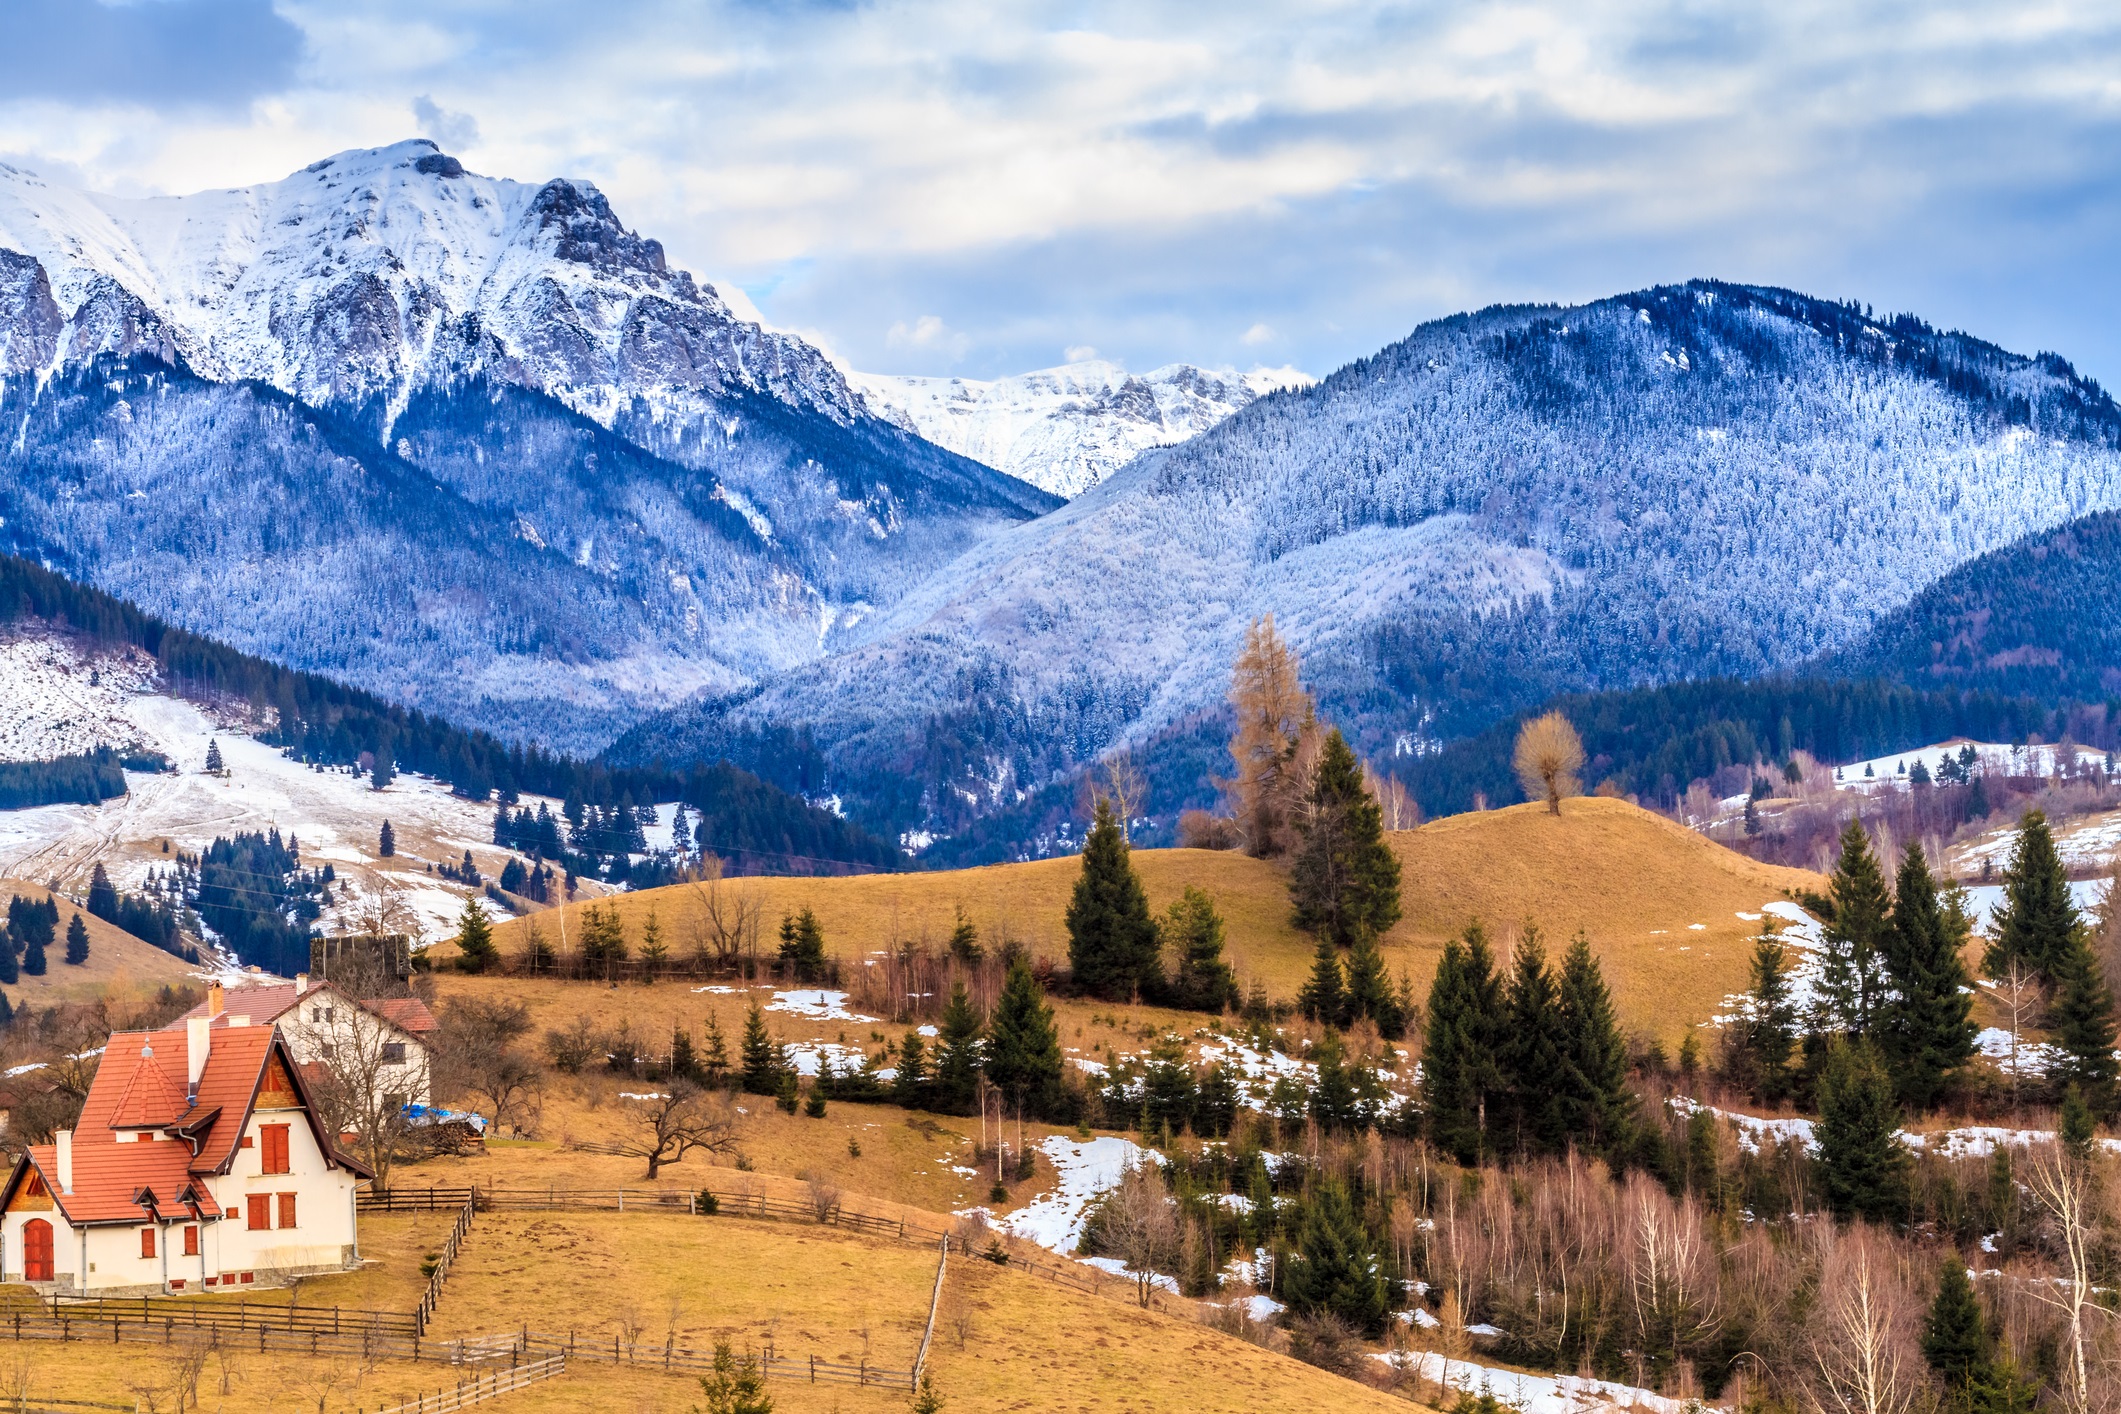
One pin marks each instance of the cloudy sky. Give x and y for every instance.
(937, 187)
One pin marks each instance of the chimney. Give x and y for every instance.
(198, 1039)
(63, 1139)
(215, 999)
(301, 983)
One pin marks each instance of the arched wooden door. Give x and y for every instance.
(36, 1250)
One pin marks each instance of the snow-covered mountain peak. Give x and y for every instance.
(1065, 429)
(378, 270)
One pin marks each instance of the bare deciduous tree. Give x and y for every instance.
(477, 1040)
(1394, 801)
(1276, 721)
(725, 925)
(1126, 787)
(1141, 1225)
(2063, 1185)
(369, 1073)
(664, 1128)
(1862, 1338)
(1549, 754)
(2023, 997)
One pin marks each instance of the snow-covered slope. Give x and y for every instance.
(1683, 481)
(470, 443)
(372, 271)
(1066, 429)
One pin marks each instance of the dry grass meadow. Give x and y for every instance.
(1660, 903)
(119, 964)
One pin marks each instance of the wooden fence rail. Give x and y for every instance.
(120, 1329)
(207, 1311)
(443, 1262)
(480, 1388)
(935, 1303)
(669, 1356)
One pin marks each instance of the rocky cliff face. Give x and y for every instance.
(469, 442)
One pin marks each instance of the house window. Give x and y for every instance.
(327, 1050)
(191, 1241)
(287, 1210)
(393, 1053)
(147, 1242)
(322, 1013)
(275, 1148)
(259, 1212)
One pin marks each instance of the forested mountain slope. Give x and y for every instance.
(1689, 480)
(470, 443)
(2040, 618)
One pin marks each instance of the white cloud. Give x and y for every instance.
(1079, 353)
(1258, 334)
(926, 332)
(1368, 162)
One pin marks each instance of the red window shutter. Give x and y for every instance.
(260, 1211)
(287, 1210)
(191, 1241)
(275, 1147)
(147, 1242)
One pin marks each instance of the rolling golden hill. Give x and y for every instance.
(1661, 904)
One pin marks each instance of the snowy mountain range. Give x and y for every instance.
(1066, 429)
(1687, 480)
(468, 442)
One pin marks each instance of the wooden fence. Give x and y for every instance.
(670, 1356)
(210, 1313)
(935, 1303)
(447, 1256)
(122, 1328)
(480, 1388)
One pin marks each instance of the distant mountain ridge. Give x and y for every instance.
(1066, 429)
(1686, 481)
(470, 443)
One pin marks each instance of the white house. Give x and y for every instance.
(380, 1044)
(198, 1163)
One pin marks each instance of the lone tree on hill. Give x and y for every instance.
(678, 1120)
(387, 842)
(1112, 943)
(475, 948)
(77, 941)
(214, 764)
(1277, 724)
(1549, 754)
(1345, 879)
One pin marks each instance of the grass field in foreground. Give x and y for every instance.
(1660, 903)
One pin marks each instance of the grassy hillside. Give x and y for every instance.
(117, 961)
(1635, 881)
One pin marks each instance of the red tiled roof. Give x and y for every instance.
(408, 1014)
(140, 1082)
(152, 1097)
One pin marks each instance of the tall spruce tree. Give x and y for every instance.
(1323, 998)
(1370, 992)
(1112, 943)
(1193, 931)
(475, 948)
(77, 941)
(1534, 1046)
(2038, 920)
(909, 1082)
(761, 1059)
(1925, 1026)
(1961, 1352)
(1462, 1035)
(1345, 879)
(1852, 969)
(1335, 1268)
(1770, 1027)
(957, 1055)
(802, 952)
(1023, 1047)
(1864, 1162)
(102, 896)
(33, 944)
(2082, 1019)
(1597, 1105)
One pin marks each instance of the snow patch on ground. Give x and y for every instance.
(2034, 1057)
(1533, 1394)
(817, 1005)
(1086, 1170)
